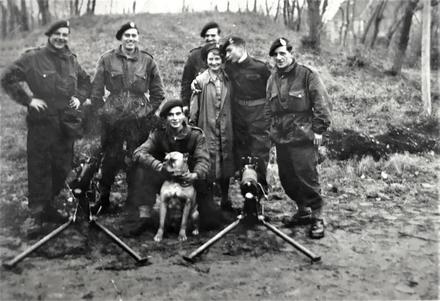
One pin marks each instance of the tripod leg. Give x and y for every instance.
(214, 239)
(292, 242)
(120, 243)
(11, 263)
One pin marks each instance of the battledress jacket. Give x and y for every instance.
(297, 105)
(193, 67)
(52, 75)
(190, 140)
(128, 79)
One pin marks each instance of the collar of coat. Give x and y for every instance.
(133, 57)
(184, 132)
(221, 75)
(287, 69)
(61, 53)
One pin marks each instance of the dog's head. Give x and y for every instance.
(176, 163)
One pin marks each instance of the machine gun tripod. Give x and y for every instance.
(252, 213)
(83, 190)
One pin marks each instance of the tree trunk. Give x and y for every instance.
(377, 20)
(43, 6)
(4, 20)
(398, 18)
(134, 6)
(314, 40)
(299, 12)
(24, 16)
(343, 24)
(369, 23)
(227, 8)
(255, 7)
(403, 38)
(426, 66)
(278, 10)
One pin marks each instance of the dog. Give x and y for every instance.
(173, 194)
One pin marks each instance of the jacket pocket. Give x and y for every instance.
(298, 101)
(45, 82)
(140, 84)
(116, 80)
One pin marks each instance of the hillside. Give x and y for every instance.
(382, 216)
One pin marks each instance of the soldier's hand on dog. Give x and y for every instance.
(38, 104)
(74, 103)
(189, 177)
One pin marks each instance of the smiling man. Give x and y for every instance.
(299, 112)
(195, 63)
(58, 85)
(176, 135)
(128, 73)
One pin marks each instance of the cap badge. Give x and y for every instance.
(132, 24)
(283, 42)
(231, 41)
(67, 23)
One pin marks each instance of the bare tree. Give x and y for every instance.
(90, 8)
(426, 66)
(134, 6)
(378, 18)
(43, 6)
(24, 16)
(278, 10)
(227, 7)
(4, 20)
(268, 8)
(255, 7)
(315, 23)
(397, 20)
(404, 37)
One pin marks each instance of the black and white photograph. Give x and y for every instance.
(219, 150)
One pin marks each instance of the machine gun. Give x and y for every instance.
(84, 189)
(252, 212)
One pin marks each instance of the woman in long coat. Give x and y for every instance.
(211, 111)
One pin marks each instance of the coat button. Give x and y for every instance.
(44, 75)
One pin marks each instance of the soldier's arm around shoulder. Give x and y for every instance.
(201, 154)
(16, 73)
(157, 93)
(320, 103)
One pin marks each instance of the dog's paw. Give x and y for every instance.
(182, 235)
(159, 236)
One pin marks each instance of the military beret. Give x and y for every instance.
(278, 43)
(125, 27)
(232, 40)
(208, 48)
(168, 105)
(56, 25)
(208, 26)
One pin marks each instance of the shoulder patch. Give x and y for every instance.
(311, 69)
(32, 49)
(197, 129)
(146, 52)
(200, 47)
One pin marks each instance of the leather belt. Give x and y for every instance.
(251, 102)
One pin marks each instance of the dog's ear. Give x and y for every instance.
(167, 156)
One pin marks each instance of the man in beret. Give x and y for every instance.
(298, 109)
(195, 63)
(59, 85)
(127, 115)
(249, 77)
(176, 135)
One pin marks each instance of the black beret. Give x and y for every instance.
(124, 27)
(279, 42)
(209, 47)
(209, 26)
(56, 25)
(168, 105)
(232, 40)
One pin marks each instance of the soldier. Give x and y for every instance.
(249, 77)
(195, 63)
(298, 110)
(59, 85)
(175, 136)
(128, 73)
